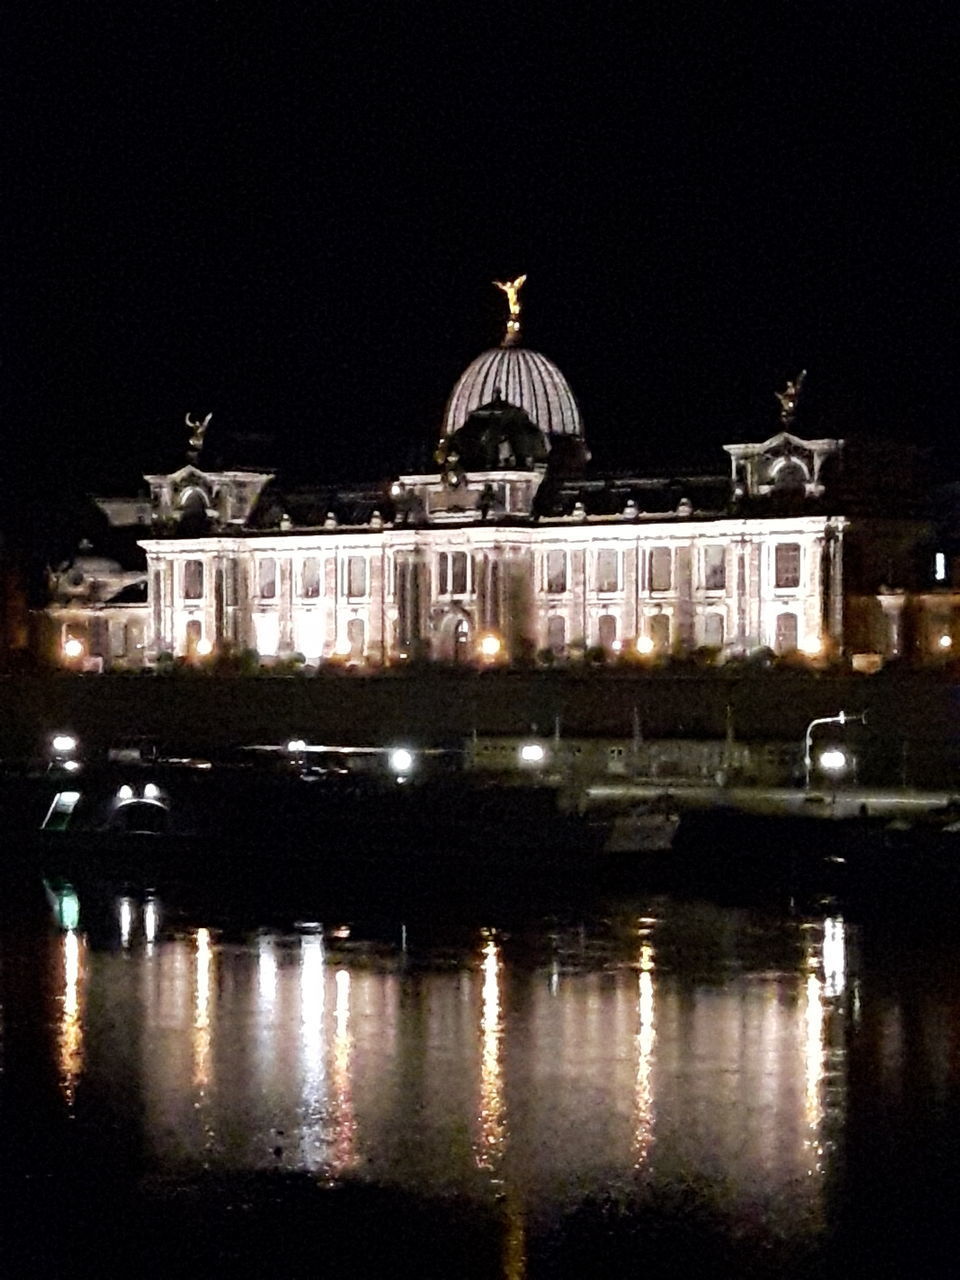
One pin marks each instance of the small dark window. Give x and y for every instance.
(556, 572)
(310, 579)
(788, 564)
(356, 576)
(458, 573)
(714, 568)
(786, 632)
(608, 570)
(556, 633)
(443, 574)
(193, 580)
(607, 631)
(660, 632)
(661, 575)
(268, 579)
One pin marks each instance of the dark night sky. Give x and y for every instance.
(291, 216)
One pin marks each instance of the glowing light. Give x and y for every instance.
(646, 1037)
(617, 646)
(151, 920)
(490, 646)
(295, 746)
(64, 743)
(342, 649)
(401, 761)
(71, 766)
(940, 567)
(73, 648)
(151, 791)
(204, 648)
(644, 644)
(532, 753)
(945, 642)
(125, 792)
(833, 760)
(126, 921)
(201, 1020)
(811, 646)
(834, 956)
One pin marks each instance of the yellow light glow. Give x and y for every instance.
(945, 642)
(201, 1018)
(644, 644)
(492, 1118)
(204, 647)
(70, 1034)
(72, 647)
(490, 646)
(811, 646)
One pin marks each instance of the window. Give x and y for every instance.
(556, 572)
(608, 570)
(661, 566)
(193, 580)
(787, 569)
(452, 573)
(310, 579)
(786, 641)
(556, 633)
(660, 632)
(356, 576)
(267, 570)
(458, 573)
(607, 630)
(714, 568)
(940, 567)
(355, 638)
(713, 631)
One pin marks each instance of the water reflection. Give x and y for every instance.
(596, 1059)
(491, 1118)
(70, 1031)
(646, 1035)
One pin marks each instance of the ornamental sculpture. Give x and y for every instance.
(512, 289)
(197, 432)
(788, 399)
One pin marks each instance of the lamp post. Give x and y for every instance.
(841, 719)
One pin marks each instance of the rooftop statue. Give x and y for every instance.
(512, 289)
(197, 432)
(788, 399)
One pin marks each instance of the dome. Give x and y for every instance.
(522, 378)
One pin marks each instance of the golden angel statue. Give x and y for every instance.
(511, 288)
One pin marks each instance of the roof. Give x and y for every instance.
(523, 378)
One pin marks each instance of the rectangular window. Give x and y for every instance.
(787, 569)
(661, 569)
(356, 576)
(443, 574)
(310, 578)
(713, 631)
(608, 570)
(556, 633)
(786, 639)
(714, 568)
(193, 580)
(458, 573)
(660, 632)
(267, 570)
(556, 572)
(607, 631)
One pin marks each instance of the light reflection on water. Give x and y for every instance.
(662, 1045)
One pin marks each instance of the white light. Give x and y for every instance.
(811, 646)
(617, 646)
(73, 648)
(64, 743)
(940, 567)
(401, 760)
(204, 648)
(490, 646)
(71, 766)
(644, 644)
(125, 793)
(151, 791)
(945, 642)
(295, 746)
(69, 798)
(834, 760)
(151, 917)
(532, 753)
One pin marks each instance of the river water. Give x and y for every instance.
(645, 1086)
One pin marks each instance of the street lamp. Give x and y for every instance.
(834, 763)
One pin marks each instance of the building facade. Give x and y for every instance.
(509, 549)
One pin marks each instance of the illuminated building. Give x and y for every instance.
(508, 548)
